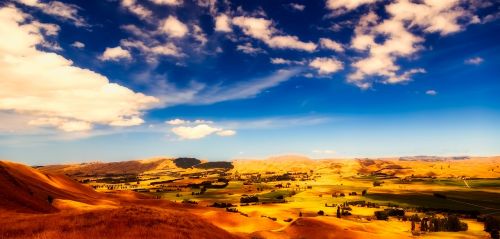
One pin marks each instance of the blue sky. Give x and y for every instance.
(125, 79)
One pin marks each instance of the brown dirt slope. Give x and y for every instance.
(24, 189)
(99, 168)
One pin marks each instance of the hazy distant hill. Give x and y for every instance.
(484, 167)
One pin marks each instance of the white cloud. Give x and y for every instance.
(347, 4)
(173, 27)
(168, 2)
(58, 9)
(199, 35)
(184, 122)
(297, 7)
(431, 92)
(153, 49)
(78, 44)
(198, 121)
(430, 15)
(474, 61)
(51, 89)
(326, 65)
(324, 151)
(115, 54)
(199, 93)
(281, 61)
(194, 132)
(249, 49)
(332, 45)
(262, 29)
(226, 133)
(223, 23)
(397, 40)
(200, 129)
(62, 124)
(138, 10)
(177, 122)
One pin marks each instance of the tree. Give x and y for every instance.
(492, 225)
(453, 223)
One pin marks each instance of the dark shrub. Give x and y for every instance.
(381, 215)
(249, 199)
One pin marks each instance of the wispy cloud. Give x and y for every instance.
(63, 11)
(474, 61)
(199, 93)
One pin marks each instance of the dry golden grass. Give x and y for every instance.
(124, 222)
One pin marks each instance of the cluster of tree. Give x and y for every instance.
(463, 213)
(115, 180)
(381, 215)
(386, 213)
(187, 201)
(249, 199)
(363, 203)
(222, 204)
(283, 177)
(272, 218)
(492, 226)
(231, 209)
(338, 195)
(451, 223)
(343, 210)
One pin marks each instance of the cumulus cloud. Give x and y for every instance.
(326, 65)
(194, 132)
(115, 54)
(57, 9)
(397, 39)
(78, 44)
(223, 23)
(331, 45)
(474, 61)
(173, 27)
(168, 2)
(431, 92)
(263, 29)
(49, 88)
(197, 129)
